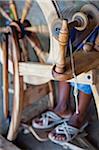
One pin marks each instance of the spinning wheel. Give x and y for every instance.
(16, 33)
(52, 65)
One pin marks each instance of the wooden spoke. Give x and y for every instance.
(4, 14)
(26, 9)
(24, 50)
(43, 29)
(14, 9)
(41, 55)
(4, 29)
(18, 90)
(51, 94)
(5, 77)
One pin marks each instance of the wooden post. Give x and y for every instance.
(63, 41)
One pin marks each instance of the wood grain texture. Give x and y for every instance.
(83, 63)
(63, 42)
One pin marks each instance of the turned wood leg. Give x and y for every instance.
(63, 40)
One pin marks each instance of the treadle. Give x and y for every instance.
(40, 135)
(79, 143)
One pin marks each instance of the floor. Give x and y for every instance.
(28, 142)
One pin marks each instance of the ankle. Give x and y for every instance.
(60, 108)
(76, 120)
(62, 112)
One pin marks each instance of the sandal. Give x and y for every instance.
(48, 120)
(68, 131)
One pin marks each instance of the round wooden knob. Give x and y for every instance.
(82, 20)
(92, 11)
(87, 47)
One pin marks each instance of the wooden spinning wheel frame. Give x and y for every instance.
(52, 65)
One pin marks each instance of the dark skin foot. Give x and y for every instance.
(62, 113)
(75, 121)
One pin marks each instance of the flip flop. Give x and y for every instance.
(68, 131)
(48, 120)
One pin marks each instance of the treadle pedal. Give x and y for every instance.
(40, 135)
(79, 143)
